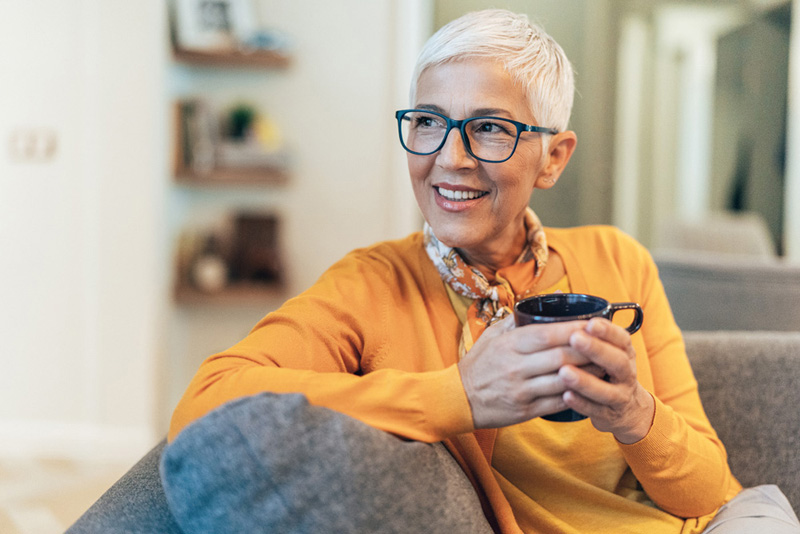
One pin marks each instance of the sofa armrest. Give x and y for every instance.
(750, 386)
(135, 503)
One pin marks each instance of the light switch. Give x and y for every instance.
(32, 145)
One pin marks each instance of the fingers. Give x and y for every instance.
(620, 405)
(609, 332)
(533, 338)
(594, 370)
(592, 389)
(514, 374)
(628, 416)
(551, 360)
(542, 386)
(545, 406)
(608, 346)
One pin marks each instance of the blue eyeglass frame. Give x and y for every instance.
(459, 124)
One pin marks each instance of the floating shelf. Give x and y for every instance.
(262, 173)
(236, 294)
(234, 177)
(255, 59)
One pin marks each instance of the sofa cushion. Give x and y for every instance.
(274, 463)
(750, 386)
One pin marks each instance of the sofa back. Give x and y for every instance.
(729, 292)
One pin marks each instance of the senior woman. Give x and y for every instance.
(414, 337)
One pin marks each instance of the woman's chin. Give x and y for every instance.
(455, 235)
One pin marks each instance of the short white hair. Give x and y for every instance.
(533, 59)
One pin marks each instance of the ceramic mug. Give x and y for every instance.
(561, 307)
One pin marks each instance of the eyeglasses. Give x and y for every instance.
(488, 139)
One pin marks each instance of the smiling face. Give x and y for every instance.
(474, 206)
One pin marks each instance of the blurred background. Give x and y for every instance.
(172, 171)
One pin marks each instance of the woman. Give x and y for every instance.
(414, 336)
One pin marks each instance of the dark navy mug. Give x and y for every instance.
(561, 307)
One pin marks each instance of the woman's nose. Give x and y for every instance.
(453, 153)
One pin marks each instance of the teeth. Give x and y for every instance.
(459, 195)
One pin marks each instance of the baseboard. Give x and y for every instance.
(75, 441)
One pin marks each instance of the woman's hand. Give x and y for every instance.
(619, 405)
(512, 375)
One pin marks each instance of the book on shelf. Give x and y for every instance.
(205, 151)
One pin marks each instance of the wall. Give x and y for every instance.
(94, 352)
(750, 137)
(792, 194)
(644, 75)
(335, 112)
(80, 225)
(351, 63)
(586, 31)
(677, 149)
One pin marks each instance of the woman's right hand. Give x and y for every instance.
(511, 374)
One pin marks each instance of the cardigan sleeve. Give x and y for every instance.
(680, 463)
(323, 344)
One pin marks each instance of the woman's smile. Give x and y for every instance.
(457, 198)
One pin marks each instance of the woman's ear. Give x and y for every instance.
(560, 149)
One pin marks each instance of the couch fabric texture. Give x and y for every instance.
(728, 292)
(750, 386)
(274, 463)
(748, 383)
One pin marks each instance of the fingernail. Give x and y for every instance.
(579, 340)
(568, 375)
(596, 326)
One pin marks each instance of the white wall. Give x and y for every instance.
(350, 69)
(93, 351)
(792, 198)
(79, 229)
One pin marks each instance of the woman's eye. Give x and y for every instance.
(491, 127)
(427, 122)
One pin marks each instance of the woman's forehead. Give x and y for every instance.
(474, 86)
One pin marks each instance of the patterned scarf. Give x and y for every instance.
(491, 301)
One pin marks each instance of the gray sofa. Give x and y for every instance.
(731, 292)
(749, 382)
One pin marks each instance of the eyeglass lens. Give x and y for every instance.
(490, 138)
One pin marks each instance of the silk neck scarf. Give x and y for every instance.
(492, 301)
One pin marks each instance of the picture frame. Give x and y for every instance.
(212, 25)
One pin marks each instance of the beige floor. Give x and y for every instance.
(45, 496)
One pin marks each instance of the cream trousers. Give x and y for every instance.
(762, 509)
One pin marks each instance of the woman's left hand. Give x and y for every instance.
(620, 404)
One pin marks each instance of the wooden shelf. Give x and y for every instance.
(269, 173)
(255, 59)
(234, 177)
(237, 294)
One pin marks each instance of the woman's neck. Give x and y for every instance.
(489, 261)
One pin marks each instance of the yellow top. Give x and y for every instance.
(529, 453)
(376, 338)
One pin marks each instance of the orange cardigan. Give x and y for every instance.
(376, 338)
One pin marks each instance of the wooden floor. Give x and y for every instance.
(45, 496)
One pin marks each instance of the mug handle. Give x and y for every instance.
(636, 324)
